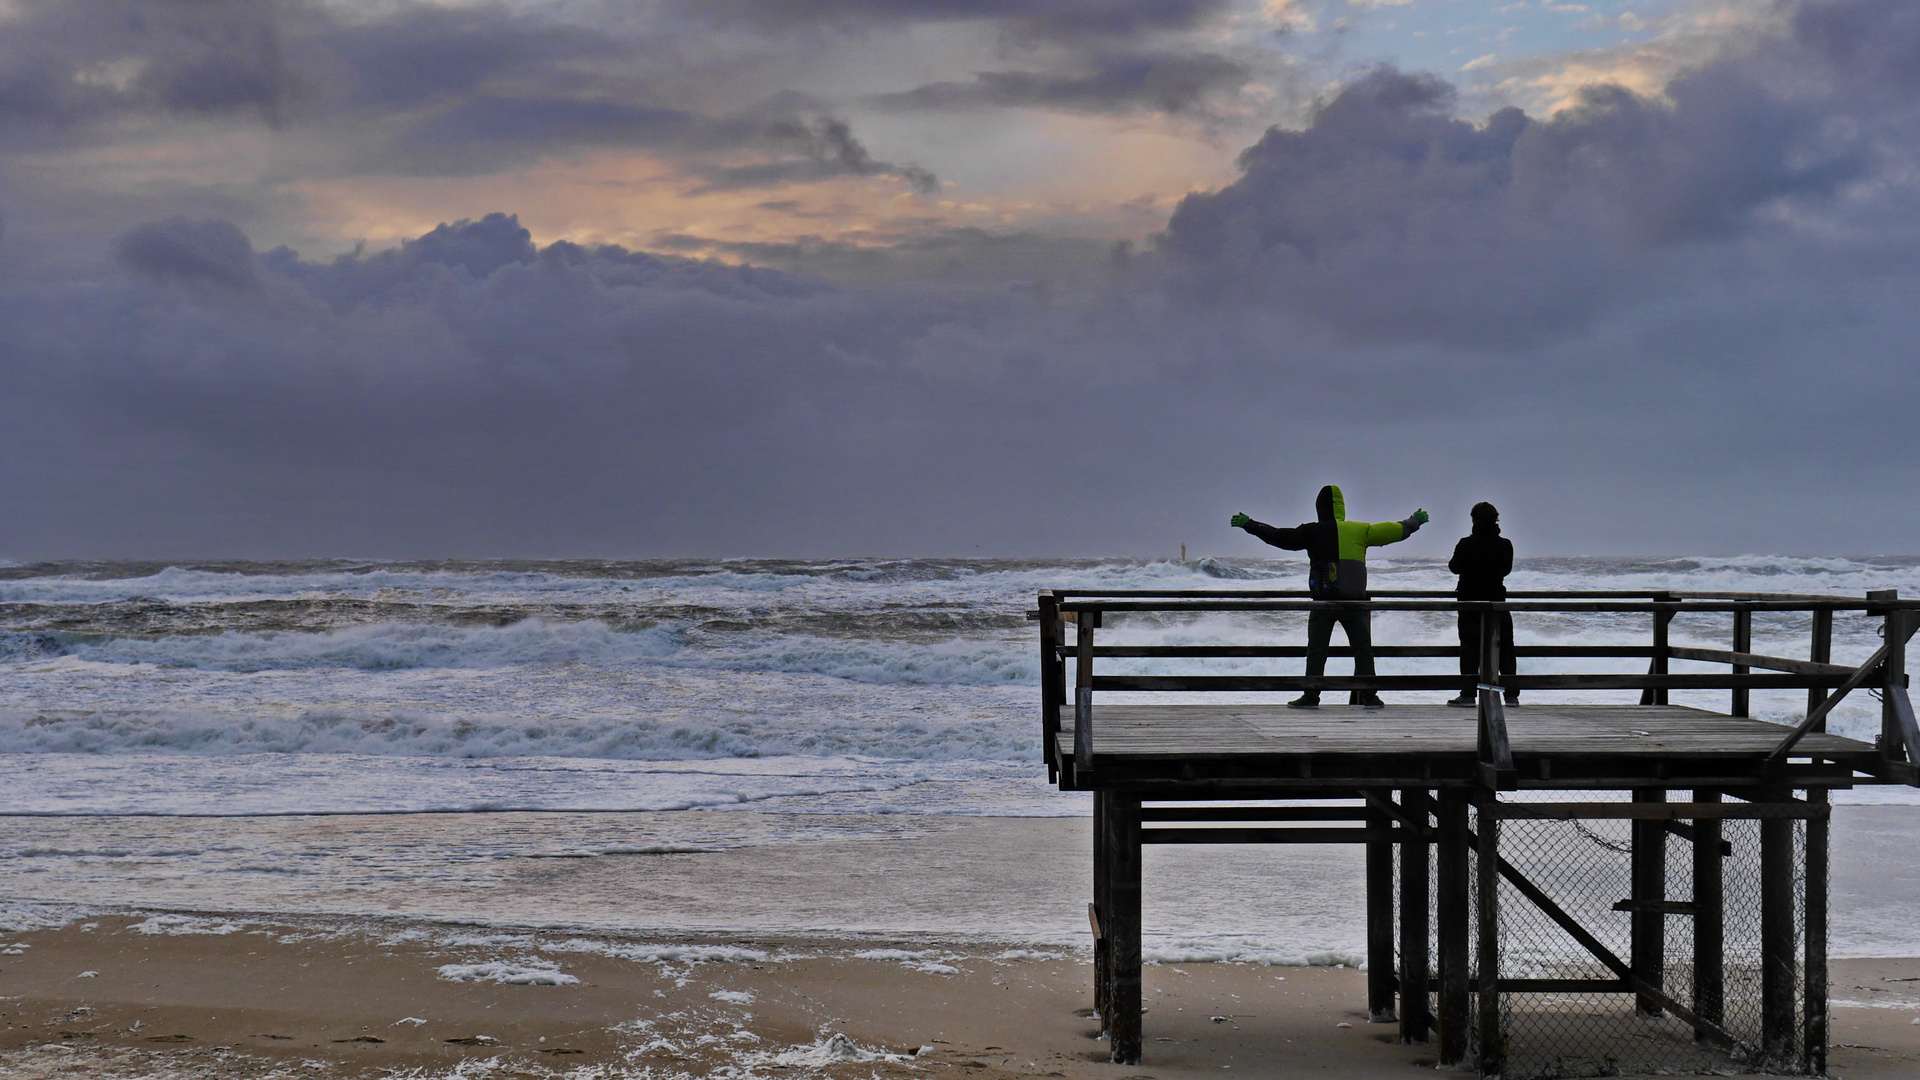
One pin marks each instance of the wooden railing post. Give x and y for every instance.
(1894, 629)
(1052, 683)
(1658, 665)
(1742, 643)
(1820, 651)
(1496, 755)
(1083, 693)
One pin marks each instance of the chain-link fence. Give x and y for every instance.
(1585, 868)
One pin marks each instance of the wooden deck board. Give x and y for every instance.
(1186, 731)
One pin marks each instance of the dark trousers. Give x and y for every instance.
(1359, 628)
(1470, 645)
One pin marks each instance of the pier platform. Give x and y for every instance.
(1552, 746)
(1554, 889)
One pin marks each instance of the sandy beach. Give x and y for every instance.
(191, 996)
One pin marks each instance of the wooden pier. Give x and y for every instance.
(1444, 800)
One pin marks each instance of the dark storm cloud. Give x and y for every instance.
(827, 148)
(418, 91)
(423, 55)
(1171, 83)
(1639, 325)
(184, 250)
(63, 65)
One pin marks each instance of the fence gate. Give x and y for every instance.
(1648, 935)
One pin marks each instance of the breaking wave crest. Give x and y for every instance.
(536, 642)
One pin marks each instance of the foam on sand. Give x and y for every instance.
(511, 974)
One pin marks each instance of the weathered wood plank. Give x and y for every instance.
(1299, 834)
(1662, 811)
(1743, 658)
(1253, 813)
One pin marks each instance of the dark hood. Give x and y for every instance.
(1331, 506)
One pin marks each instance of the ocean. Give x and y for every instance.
(545, 742)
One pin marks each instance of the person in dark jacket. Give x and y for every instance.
(1336, 570)
(1483, 559)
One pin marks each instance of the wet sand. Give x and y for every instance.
(206, 997)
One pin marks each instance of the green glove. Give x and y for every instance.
(1422, 516)
(1239, 521)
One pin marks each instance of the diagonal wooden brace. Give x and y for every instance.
(1814, 715)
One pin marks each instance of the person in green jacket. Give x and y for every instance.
(1336, 570)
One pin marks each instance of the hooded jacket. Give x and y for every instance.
(1336, 548)
(1483, 560)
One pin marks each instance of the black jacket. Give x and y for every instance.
(1483, 560)
(1336, 548)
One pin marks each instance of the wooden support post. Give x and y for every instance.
(1123, 927)
(1820, 651)
(1053, 687)
(1777, 936)
(1380, 978)
(1649, 882)
(1100, 914)
(1658, 665)
(1415, 1014)
(1492, 1056)
(1813, 1021)
(1742, 643)
(1709, 919)
(1453, 924)
(1083, 693)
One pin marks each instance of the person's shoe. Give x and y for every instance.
(1371, 701)
(1513, 699)
(1305, 701)
(1464, 701)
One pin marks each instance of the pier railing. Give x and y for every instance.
(1069, 621)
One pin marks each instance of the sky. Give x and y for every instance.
(710, 278)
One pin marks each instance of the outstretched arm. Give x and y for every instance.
(1381, 533)
(1288, 539)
